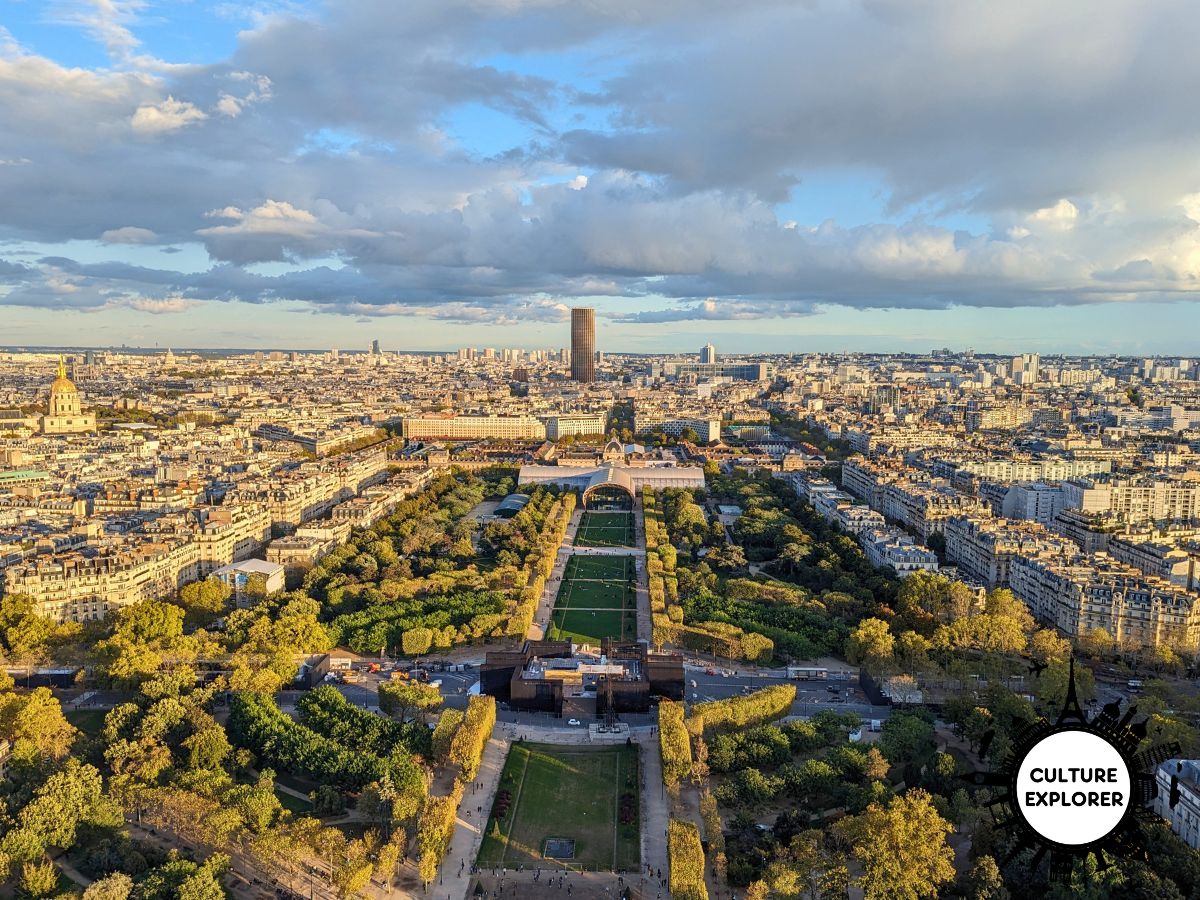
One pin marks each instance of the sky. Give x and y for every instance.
(768, 175)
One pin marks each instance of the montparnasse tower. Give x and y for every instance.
(64, 414)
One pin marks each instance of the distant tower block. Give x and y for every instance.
(583, 345)
(708, 354)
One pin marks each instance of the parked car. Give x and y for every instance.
(574, 722)
(833, 690)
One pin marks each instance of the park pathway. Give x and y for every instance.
(541, 618)
(656, 809)
(454, 877)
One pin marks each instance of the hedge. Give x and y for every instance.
(435, 830)
(674, 742)
(443, 734)
(686, 856)
(762, 706)
(711, 818)
(466, 748)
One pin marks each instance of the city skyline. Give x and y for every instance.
(517, 166)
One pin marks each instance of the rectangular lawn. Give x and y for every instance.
(569, 793)
(606, 529)
(597, 599)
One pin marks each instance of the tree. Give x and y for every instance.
(1045, 645)
(117, 886)
(907, 738)
(1052, 684)
(727, 557)
(255, 590)
(871, 644)
(901, 847)
(416, 641)
(205, 600)
(402, 699)
(809, 870)
(984, 881)
(38, 879)
(1097, 643)
(24, 635)
(35, 725)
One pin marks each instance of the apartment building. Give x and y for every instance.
(1027, 470)
(451, 427)
(922, 507)
(983, 548)
(571, 424)
(1146, 499)
(674, 422)
(1081, 593)
(1037, 502)
(889, 547)
(79, 586)
(1178, 798)
(1177, 565)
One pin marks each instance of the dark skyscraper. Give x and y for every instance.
(583, 344)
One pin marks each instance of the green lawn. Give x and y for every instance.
(592, 568)
(597, 600)
(592, 626)
(606, 529)
(294, 803)
(89, 721)
(567, 792)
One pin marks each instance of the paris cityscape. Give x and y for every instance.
(526, 449)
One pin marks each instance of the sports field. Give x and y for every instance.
(597, 599)
(586, 795)
(606, 529)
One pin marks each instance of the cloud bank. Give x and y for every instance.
(492, 160)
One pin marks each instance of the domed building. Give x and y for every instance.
(65, 414)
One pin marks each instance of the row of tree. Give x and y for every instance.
(686, 856)
(256, 723)
(674, 743)
(746, 711)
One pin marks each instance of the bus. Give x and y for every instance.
(807, 673)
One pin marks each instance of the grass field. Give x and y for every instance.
(606, 529)
(597, 600)
(89, 721)
(567, 792)
(294, 803)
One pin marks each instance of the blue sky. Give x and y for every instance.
(441, 173)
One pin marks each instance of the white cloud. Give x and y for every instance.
(1062, 215)
(694, 147)
(128, 234)
(106, 21)
(169, 115)
(161, 305)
